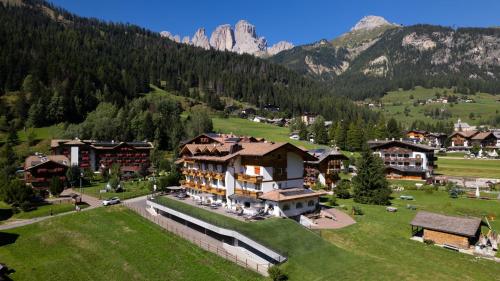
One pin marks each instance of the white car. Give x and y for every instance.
(111, 201)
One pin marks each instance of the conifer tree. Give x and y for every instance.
(370, 185)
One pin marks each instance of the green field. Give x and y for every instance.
(244, 127)
(376, 248)
(41, 210)
(395, 102)
(109, 244)
(132, 189)
(468, 167)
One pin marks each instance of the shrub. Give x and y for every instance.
(276, 273)
(428, 242)
(343, 189)
(26, 206)
(356, 210)
(56, 186)
(332, 200)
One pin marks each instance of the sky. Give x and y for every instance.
(300, 22)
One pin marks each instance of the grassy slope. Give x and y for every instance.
(485, 106)
(110, 244)
(469, 167)
(384, 237)
(376, 248)
(239, 126)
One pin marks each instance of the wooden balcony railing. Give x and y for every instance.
(246, 192)
(249, 178)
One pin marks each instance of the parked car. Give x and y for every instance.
(111, 201)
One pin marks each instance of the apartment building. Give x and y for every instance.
(405, 159)
(98, 155)
(324, 170)
(247, 174)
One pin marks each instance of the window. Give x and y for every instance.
(310, 203)
(247, 204)
(286, 207)
(298, 205)
(257, 186)
(214, 182)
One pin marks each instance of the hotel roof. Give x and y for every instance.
(279, 195)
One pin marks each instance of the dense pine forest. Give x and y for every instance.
(60, 67)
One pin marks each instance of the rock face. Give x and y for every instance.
(200, 39)
(247, 40)
(278, 47)
(222, 38)
(242, 39)
(370, 22)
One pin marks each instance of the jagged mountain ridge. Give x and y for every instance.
(397, 56)
(242, 39)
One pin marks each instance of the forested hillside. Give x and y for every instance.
(362, 63)
(56, 66)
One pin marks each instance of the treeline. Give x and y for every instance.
(63, 65)
(347, 135)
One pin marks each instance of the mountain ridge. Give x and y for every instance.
(243, 39)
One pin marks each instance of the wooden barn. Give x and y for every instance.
(459, 232)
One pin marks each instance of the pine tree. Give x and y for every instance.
(319, 130)
(354, 138)
(56, 186)
(370, 185)
(341, 135)
(393, 129)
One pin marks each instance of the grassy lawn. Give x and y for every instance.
(132, 189)
(41, 210)
(395, 102)
(469, 167)
(376, 248)
(44, 210)
(384, 237)
(109, 244)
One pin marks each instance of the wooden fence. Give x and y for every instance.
(205, 244)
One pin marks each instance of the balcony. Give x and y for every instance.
(249, 178)
(246, 192)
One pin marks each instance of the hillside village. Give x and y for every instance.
(128, 153)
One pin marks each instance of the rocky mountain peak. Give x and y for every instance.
(242, 39)
(222, 38)
(200, 39)
(370, 22)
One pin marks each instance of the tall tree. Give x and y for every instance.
(370, 185)
(319, 130)
(393, 129)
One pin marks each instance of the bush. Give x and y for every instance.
(356, 210)
(343, 189)
(276, 273)
(26, 206)
(56, 186)
(428, 242)
(332, 200)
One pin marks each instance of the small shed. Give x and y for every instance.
(460, 232)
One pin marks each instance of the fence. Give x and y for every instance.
(184, 232)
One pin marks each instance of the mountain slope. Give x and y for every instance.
(64, 66)
(376, 56)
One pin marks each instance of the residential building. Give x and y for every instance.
(98, 155)
(308, 118)
(324, 170)
(432, 139)
(40, 169)
(417, 135)
(405, 159)
(459, 232)
(486, 140)
(241, 173)
(462, 140)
